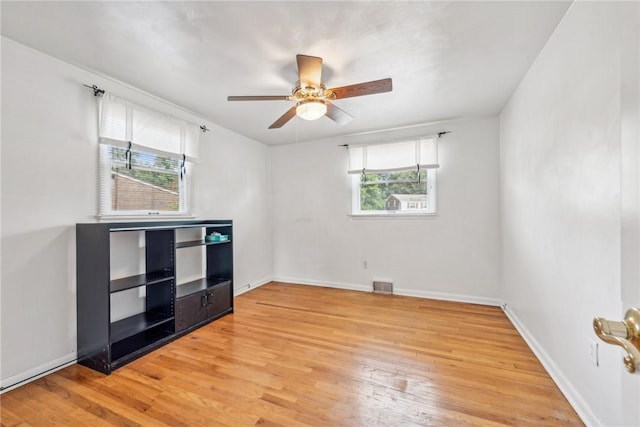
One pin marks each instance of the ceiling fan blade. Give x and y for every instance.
(338, 115)
(309, 70)
(258, 98)
(291, 112)
(360, 89)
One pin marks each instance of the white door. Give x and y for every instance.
(630, 195)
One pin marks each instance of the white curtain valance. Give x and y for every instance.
(394, 156)
(122, 122)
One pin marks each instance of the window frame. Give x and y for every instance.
(431, 209)
(105, 184)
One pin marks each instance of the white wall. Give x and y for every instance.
(234, 182)
(455, 254)
(49, 181)
(560, 195)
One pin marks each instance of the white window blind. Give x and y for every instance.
(394, 156)
(123, 122)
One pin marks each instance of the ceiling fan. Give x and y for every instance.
(312, 96)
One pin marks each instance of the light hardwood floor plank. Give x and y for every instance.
(294, 355)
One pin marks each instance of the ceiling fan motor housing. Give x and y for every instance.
(308, 91)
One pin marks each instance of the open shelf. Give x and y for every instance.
(140, 280)
(131, 348)
(138, 323)
(198, 285)
(198, 243)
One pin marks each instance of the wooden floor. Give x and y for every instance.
(299, 355)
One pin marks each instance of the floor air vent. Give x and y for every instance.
(380, 287)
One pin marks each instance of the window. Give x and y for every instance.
(142, 183)
(394, 178)
(146, 160)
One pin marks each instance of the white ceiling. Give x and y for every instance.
(447, 59)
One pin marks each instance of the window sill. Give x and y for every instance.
(395, 215)
(147, 217)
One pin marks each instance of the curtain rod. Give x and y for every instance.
(96, 90)
(437, 133)
(99, 92)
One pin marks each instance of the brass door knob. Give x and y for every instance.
(626, 334)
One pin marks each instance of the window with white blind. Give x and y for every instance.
(146, 159)
(397, 178)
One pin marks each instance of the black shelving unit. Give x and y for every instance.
(105, 344)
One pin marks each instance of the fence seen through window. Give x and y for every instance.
(144, 181)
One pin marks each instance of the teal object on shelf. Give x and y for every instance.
(216, 238)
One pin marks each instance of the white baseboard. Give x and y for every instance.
(448, 297)
(251, 286)
(575, 399)
(337, 285)
(396, 291)
(14, 381)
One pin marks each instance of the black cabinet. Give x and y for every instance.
(107, 338)
(206, 300)
(191, 310)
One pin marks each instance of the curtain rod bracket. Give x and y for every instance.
(204, 128)
(96, 90)
(443, 133)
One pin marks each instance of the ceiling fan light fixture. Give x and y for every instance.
(311, 109)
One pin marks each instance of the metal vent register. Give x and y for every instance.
(380, 287)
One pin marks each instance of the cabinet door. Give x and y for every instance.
(219, 299)
(191, 310)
